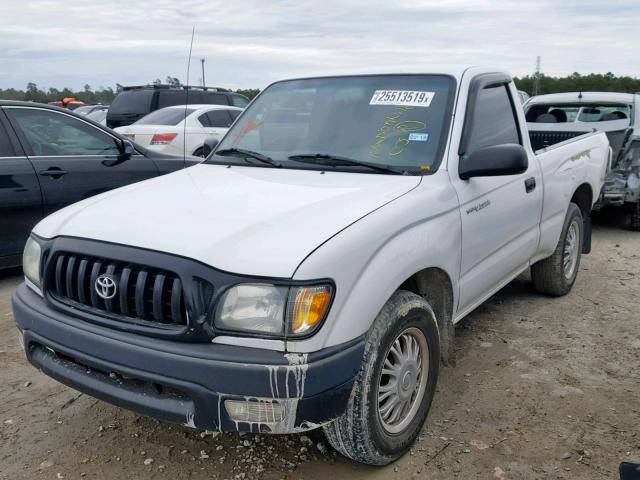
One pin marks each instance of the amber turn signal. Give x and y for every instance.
(307, 308)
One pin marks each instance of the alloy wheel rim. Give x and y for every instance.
(403, 379)
(571, 246)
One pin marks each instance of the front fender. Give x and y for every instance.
(369, 260)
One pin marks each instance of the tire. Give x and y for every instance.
(360, 433)
(556, 274)
(634, 225)
(202, 152)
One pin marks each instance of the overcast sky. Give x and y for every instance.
(249, 43)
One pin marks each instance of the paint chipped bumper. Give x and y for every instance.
(189, 383)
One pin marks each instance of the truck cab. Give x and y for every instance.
(309, 273)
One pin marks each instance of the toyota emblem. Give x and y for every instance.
(105, 287)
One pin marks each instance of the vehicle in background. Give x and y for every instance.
(561, 116)
(309, 273)
(68, 103)
(524, 96)
(87, 109)
(98, 116)
(133, 103)
(51, 157)
(164, 130)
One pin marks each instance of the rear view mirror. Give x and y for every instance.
(507, 159)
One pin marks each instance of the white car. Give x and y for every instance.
(310, 272)
(164, 130)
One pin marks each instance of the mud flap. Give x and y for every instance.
(586, 237)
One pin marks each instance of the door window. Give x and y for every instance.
(56, 134)
(239, 101)
(168, 98)
(6, 149)
(219, 119)
(494, 121)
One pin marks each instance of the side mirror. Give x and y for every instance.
(507, 159)
(126, 149)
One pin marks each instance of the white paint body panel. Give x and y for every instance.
(367, 232)
(190, 134)
(247, 220)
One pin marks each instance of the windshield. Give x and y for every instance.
(132, 101)
(400, 121)
(166, 116)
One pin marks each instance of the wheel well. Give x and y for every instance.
(583, 197)
(434, 285)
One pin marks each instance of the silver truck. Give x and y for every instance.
(560, 116)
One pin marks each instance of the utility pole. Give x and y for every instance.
(536, 80)
(204, 84)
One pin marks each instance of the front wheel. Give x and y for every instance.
(394, 388)
(556, 274)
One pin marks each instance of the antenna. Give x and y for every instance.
(186, 103)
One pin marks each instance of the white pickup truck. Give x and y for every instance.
(309, 273)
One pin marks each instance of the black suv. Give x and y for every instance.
(133, 103)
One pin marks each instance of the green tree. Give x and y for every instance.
(250, 93)
(173, 81)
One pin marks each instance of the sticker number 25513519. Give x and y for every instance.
(407, 98)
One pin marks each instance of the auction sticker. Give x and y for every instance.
(402, 98)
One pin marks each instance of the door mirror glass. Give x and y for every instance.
(506, 159)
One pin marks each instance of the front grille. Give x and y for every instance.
(142, 293)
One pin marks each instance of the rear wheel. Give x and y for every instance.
(393, 391)
(202, 152)
(556, 274)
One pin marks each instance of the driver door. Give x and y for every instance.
(72, 157)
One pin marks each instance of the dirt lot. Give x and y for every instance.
(543, 388)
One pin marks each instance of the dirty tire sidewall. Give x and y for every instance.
(358, 433)
(548, 274)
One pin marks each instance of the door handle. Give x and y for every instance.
(53, 172)
(530, 184)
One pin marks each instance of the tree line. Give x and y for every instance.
(575, 82)
(593, 82)
(88, 95)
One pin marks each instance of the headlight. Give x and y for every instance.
(31, 261)
(273, 310)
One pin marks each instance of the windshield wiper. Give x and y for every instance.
(248, 154)
(338, 161)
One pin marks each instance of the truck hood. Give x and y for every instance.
(246, 220)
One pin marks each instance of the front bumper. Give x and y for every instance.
(186, 383)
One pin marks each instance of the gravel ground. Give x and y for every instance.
(542, 388)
